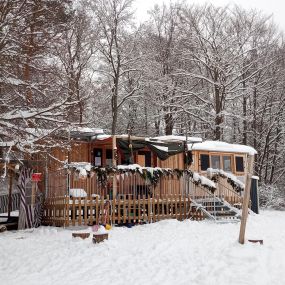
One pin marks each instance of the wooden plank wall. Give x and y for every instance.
(79, 152)
(62, 211)
(174, 161)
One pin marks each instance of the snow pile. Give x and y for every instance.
(99, 230)
(81, 168)
(167, 252)
(77, 192)
(130, 167)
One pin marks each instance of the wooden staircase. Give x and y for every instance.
(217, 209)
(219, 205)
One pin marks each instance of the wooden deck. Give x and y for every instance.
(137, 201)
(63, 211)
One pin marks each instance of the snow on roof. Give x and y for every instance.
(6, 144)
(88, 130)
(101, 137)
(177, 138)
(222, 147)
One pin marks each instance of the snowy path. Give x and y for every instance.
(168, 252)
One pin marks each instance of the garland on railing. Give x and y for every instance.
(213, 174)
(151, 174)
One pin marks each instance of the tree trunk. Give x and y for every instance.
(115, 106)
(244, 109)
(218, 105)
(168, 118)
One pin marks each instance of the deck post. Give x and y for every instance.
(10, 193)
(114, 163)
(246, 197)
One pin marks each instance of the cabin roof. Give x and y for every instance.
(86, 133)
(219, 146)
(171, 138)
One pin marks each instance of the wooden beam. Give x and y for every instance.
(246, 198)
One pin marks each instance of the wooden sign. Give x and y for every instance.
(36, 177)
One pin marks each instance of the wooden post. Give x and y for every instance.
(114, 163)
(246, 197)
(132, 161)
(10, 193)
(34, 186)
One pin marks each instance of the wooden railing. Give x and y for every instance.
(137, 201)
(65, 211)
(227, 193)
(127, 183)
(4, 202)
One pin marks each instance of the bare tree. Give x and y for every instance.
(28, 100)
(75, 50)
(117, 43)
(161, 62)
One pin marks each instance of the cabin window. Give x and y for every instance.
(97, 157)
(188, 160)
(205, 162)
(215, 161)
(239, 164)
(227, 163)
(109, 156)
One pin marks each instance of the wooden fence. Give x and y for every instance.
(127, 183)
(65, 211)
(4, 202)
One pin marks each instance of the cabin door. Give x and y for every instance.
(144, 158)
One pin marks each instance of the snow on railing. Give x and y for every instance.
(150, 174)
(237, 185)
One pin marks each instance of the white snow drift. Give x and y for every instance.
(167, 252)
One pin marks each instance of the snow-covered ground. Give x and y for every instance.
(167, 252)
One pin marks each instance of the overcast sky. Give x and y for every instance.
(275, 7)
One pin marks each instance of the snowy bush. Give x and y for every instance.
(270, 196)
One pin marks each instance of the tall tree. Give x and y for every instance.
(116, 44)
(27, 97)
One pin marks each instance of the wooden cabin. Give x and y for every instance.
(167, 152)
(231, 158)
(98, 149)
(154, 178)
(211, 157)
(81, 178)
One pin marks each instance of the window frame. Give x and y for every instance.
(235, 164)
(215, 154)
(221, 155)
(232, 158)
(200, 161)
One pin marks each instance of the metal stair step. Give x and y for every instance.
(222, 213)
(217, 209)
